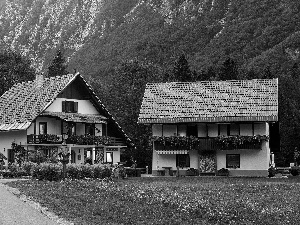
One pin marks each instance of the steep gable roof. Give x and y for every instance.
(210, 101)
(23, 102)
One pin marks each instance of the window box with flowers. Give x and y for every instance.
(240, 142)
(88, 140)
(175, 142)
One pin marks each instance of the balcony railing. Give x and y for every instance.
(74, 139)
(204, 144)
(44, 139)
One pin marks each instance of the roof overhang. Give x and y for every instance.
(76, 117)
(271, 118)
(14, 126)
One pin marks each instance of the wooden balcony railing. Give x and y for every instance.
(204, 144)
(44, 139)
(74, 139)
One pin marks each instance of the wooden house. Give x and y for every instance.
(59, 113)
(211, 125)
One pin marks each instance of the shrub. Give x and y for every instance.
(100, 171)
(13, 167)
(223, 172)
(27, 167)
(53, 171)
(192, 172)
(47, 171)
(74, 171)
(87, 171)
(272, 172)
(294, 172)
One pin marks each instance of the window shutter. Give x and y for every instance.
(63, 106)
(76, 107)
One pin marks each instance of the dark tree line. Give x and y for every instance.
(14, 68)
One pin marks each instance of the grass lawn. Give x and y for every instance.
(190, 200)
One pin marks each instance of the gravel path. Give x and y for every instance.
(14, 211)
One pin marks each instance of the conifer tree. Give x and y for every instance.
(228, 70)
(182, 70)
(58, 66)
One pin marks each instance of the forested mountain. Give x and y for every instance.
(119, 45)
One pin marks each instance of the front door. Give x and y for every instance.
(73, 156)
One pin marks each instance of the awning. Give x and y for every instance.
(168, 152)
(77, 117)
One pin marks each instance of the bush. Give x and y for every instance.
(192, 172)
(223, 172)
(28, 167)
(272, 171)
(14, 170)
(87, 171)
(294, 171)
(47, 171)
(53, 171)
(101, 171)
(74, 171)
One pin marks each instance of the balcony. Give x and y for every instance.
(207, 144)
(44, 139)
(74, 139)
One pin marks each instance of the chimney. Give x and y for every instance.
(39, 79)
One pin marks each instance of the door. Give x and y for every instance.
(73, 156)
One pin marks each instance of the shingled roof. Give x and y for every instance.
(23, 102)
(210, 101)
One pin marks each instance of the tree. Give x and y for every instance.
(228, 70)
(206, 76)
(14, 68)
(123, 94)
(267, 74)
(289, 113)
(58, 65)
(182, 72)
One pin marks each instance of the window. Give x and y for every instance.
(181, 130)
(90, 129)
(109, 157)
(42, 128)
(233, 161)
(183, 160)
(192, 130)
(169, 130)
(234, 129)
(224, 129)
(70, 106)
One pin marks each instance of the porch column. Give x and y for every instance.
(70, 152)
(93, 155)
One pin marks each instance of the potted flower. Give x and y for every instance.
(223, 172)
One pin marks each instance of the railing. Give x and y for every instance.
(205, 144)
(74, 139)
(44, 139)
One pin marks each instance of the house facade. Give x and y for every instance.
(62, 113)
(211, 125)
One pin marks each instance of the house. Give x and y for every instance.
(212, 125)
(59, 113)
